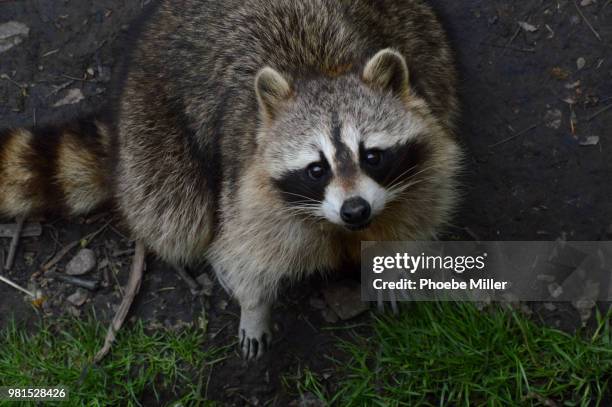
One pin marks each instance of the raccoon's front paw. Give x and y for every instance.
(254, 342)
(254, 334)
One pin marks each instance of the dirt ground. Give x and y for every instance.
(536, 79)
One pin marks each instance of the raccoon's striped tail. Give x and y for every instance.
(62, 168)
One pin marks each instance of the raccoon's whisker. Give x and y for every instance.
(410, 181)
(308, 199)
(399, 181)
(400, 188)
(401, 175)
(306, 206)
(305, 212)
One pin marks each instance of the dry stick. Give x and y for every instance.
(60, 255)
(517, 135)
(131, 290)
(516, 33)
(13, 247)
(194, 287)
(587, 22)
(29, 230)
(597, 113)
(14, 285)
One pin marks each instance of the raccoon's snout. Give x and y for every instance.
(356, 212)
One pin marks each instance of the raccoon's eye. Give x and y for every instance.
(316, 171)
(373, 157)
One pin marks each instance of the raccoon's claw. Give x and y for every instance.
(254, 333)
(253, 347)
(391, 303)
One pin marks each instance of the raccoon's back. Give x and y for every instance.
(196, 61)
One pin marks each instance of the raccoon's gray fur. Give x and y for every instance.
(269, 137)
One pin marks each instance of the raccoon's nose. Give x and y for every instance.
(355, 211)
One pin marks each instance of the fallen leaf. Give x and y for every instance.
(72, 97)
(12, 33)
(527, 27)
(590, 141)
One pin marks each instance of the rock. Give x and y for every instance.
(206, 283)
(78, 298)
(82, 263)
(344, 298)
(12, 33)
(329, 316)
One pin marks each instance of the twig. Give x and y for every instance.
(91, 285)
(194, 287)
(8, 78)
(131, 290)
(587, 21)
(49, 53)
(517, 135)
(60, 255)
(75, 78)
(597, 113)
(13, 247)
(9, 282)
(29, 230)
(121, 253)
(60, 87)
(507, 46)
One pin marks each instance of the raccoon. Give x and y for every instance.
(267, 137)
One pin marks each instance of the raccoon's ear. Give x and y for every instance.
(388, 71)
(272, 90)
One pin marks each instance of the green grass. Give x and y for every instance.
(153, 366)
(432, 354)
(453, 354)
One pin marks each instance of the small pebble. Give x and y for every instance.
(78, 298)
(344, 298)
(83, 263)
